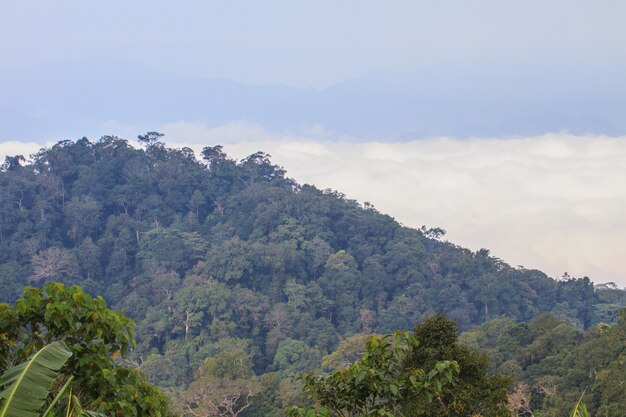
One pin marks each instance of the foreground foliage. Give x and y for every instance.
(379, 383)
(95, 337)
(26, 386)
(475, 391)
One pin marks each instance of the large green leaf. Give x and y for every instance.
(26, 385)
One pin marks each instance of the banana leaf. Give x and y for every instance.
(580, 409)
(27, 385)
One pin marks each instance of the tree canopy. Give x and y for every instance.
(474, 392)
(199, 251)
(379, 383)
(97, 338)
(554, 363)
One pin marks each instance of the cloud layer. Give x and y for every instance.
(554, 202)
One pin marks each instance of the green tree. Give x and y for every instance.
(473, 393)
(342, 282)
(82, 215)
(348, 351)
(294, 357)
(97, 338)
(378, 384)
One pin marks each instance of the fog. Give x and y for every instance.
(554, 202)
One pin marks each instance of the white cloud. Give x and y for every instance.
(554, 202)
(15, 147)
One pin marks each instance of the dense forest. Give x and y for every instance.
(554, 361)
(240, 278)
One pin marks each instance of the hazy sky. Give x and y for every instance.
(316, 43)
(367, 78)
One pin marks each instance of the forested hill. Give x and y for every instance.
(213, 251)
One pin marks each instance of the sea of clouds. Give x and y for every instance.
(555, 202)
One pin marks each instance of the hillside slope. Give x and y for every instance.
(214, 253)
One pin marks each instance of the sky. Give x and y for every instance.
(315, 43)
(502, 122)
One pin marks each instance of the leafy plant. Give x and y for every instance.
(377, 383)
(96, 336)
(580, 409)
(27, 385)
(475, 391)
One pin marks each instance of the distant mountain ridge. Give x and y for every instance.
(382, 106)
